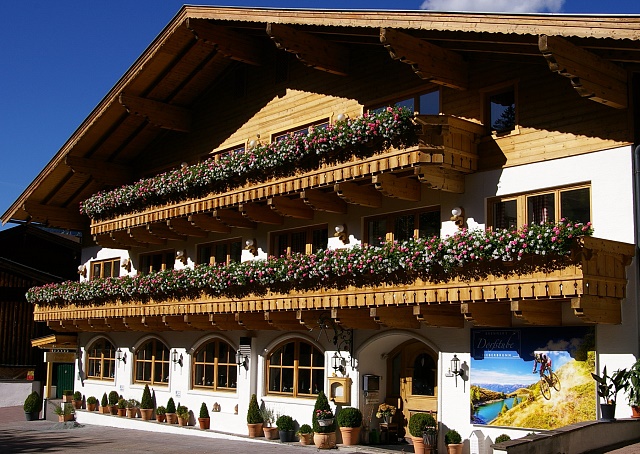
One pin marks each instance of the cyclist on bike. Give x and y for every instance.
(545, 363)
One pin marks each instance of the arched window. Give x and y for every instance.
(214, 367)
(152, 363)
(295, 368)
(101, 360)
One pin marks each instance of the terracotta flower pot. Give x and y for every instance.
(122, 412)
(183, 421)
(635, 411)
(161, 418)
(306, 439)
(255, 430)
(454, 448)
(172, 418)
(91, 407)
(104, 410)
(77, 404)
(132, 412)
(146, 413)
(324, 440)
(204, 423)
(418, 445)
(113, 409)
(64, 418)
(350, 435)
(270, 433)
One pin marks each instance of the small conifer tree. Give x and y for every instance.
(321, 404)
(146, 403)
(204, 411)
(171, 406)
(104, 402)
(253, 413)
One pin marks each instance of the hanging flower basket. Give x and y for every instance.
(325, 422)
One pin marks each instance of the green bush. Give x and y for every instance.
(501, 438)
(122, 403)
(104, 402)
(146, 403)
(33, 403)
(452, 437)
(204, 411)
(161, 410)
(321, 404)
(171, 406)
(77, 395)
(113, 398)
(419, 422)
(182, 411)
(253, 413)
(285, 423)
(132, 403)
(92, 400)
(305, 429)
(350, 417)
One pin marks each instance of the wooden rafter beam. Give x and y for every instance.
(208, 223)
(252, 321)
(260, 213)
(165, 116)
(53, 216)
(123, 237)
(353, 319)
(399, 188)
(293, 208)
(444, 315)
(107, 240)
(442, 179)
(106, 172)
(233, 218)
(592, 76)
(487, 314)
(143, 235)
(538, 312)
(162, 230)
(395, 317)
(324, 201)
(284, 320)
(182, 226)
(358, 194)
(178, 323)
(229, 43)
(311, 50)
(430, 62)
(597, 309)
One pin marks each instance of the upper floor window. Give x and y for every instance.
(151, 363)
(227, 152)
(300, 130)
(295, 368)
(214, 367)
(401, 226)
(502, 110)
(423, 103)
(101, 360)
(220, 252)
(157, 261)
(301, 241)
(573, 203)
(105, 268)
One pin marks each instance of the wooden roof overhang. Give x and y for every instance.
(588, 290)
(154, 97)
(55, 341)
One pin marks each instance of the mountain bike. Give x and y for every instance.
(548, 380)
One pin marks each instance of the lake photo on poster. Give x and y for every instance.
(488, 412)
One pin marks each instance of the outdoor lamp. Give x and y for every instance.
(454, 370)
(336, 363)
(252, 246)
(182, 256)
(457, 216)
(82, 270)
(120, 356)
(175, 358)
(241, 360)
(341, 233)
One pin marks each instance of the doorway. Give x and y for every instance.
(63, 378)
(412, 386)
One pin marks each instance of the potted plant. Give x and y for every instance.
(122, 407)
(305, 433)
(453, 440)
(67, 395)
(254, 418)
(385, 412)
(64, 412)
(77, 400)
(161, 415)
(422, 428)
(104, 404)
(204, 419)
(183, 415)
(607, 388)
(285, 427)
(146, 404)
(132, 408)
(32, 406)
(268, 418)
(113, 402)
(634, 389)
(324, 428)
(92, 403)
(172, 418)
(349, 421)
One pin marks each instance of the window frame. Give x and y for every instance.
(115, 267)
(522, 198)
(495, 90)
(213, 244)
(296, 369)
(166, 364)
(392, 216)
(416, 95)
(308, 240)
(100, 360)
(230, 365)
(165, 265)
(301, 128)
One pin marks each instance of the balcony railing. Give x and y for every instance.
(592, 284)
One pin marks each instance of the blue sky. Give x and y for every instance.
(59, 59)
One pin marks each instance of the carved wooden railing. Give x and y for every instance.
(593, 284)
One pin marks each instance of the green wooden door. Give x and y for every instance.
(65, 378)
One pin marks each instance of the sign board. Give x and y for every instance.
(55, 357)
(372, 397)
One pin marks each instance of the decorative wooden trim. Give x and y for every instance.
(310, 50)
(294, 208)
(59, 216)
(233, 218)
(535, 312)
(400, 188)
(364, 195)
(183, 227)
(106, 172)
(260, 213)
(323, 201)
(163, 115)
(208, 223)
(591, 76)
(430, 62)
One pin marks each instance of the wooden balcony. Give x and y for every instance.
(447, 150)
(589, 289)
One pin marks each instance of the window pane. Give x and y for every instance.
(299, 242)
(199, 378)
(304, 381)
(96, 270)
(305, 355)
(503, 111)
(223, 355)
(505, 214)
(274, 379)
(221, 253)
(318, 358)
(287, 354)
(233, 376)
(320, 239)
(408, 103)
(222, 376)
(377, 231)
(575, 205)
(430, 103)
(287, 380)
(107, 269)
(276, 357)
(280, 245)
(423, 382)
(204, 254)
(403, 228)
(109, 368)
(429, 224)
(236, 251)
(541, 208)
(317, 376)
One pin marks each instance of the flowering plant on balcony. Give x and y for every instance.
(361, 137)
(433, 259)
